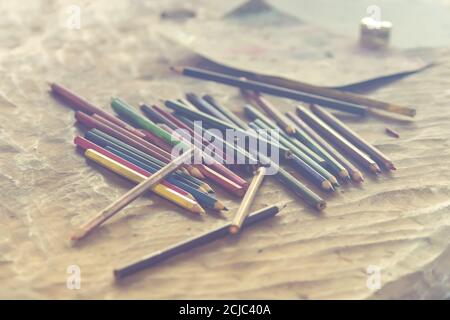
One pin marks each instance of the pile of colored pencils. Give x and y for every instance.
(134, 145)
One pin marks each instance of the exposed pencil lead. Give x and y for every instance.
(234, 229)
(177, 69)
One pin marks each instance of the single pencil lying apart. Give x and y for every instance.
(271, 89)
(196, 241)
(131, 195)
(242, 212)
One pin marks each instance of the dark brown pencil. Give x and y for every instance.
(337, 139)
(196, 241)
(271, 89)
(354, 172)
(353, 137)
(270, 109)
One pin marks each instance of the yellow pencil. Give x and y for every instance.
(132, 175)
(243, 210)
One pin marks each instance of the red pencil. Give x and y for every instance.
(221, 180)
(215, 165)
(78, 103)
(218, 167)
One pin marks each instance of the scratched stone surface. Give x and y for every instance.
(399, 223)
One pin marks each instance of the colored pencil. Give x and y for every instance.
(271, 89)
(219, 124)
(286, 179)
(244, 207)
(332, 164)
(234, 119)
(203, 198)
(104, 140)
(354, 172)
(338, 140)
(131, 139)
(301, 140)
(219, 168)
(79, 103)
(86, 144)
(186, 103)
(271, 110)
(213, 175)
(339, 95)
(204, 106)
(196, 241)
(292, 183)
(302, 167)
(353, 137)
(310, 162)
(295, 186)
(147, 184)
(287, 141)
(126, 111)
(237, 151)
(170, 125)
(176, 123)
(173, 123)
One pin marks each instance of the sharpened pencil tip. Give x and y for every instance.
(234, 229)
(196, 173)
(219, 206)
(327, 185)
(343, 174)
(375, 168)
(290, 130)
(198, 209)
(177, 69)
(357, 176)
(77, 236)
